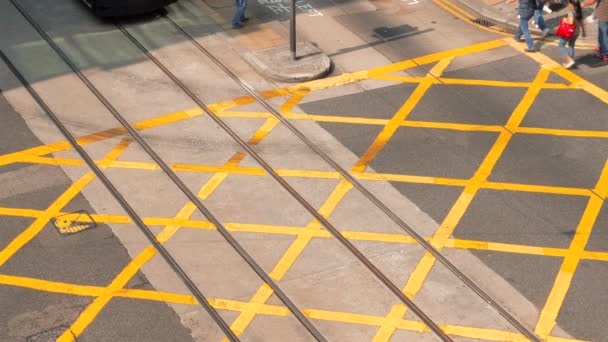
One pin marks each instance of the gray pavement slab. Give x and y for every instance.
(578, 111)
(435, 200)
(581, 314)
(598, 240)
(376, 103)
(479, 105)
(93, 257)
(439, 153)
(551, 160)
(116, 322)
(513, 217)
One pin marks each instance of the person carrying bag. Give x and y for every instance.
(568, 31)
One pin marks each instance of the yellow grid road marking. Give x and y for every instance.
(416, 279)
(548, 315)
(393, 125)
(262, 309)
(289, 257)
(295, 94)
(89, 314)
(52, 211)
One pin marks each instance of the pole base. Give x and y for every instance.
(280, 64)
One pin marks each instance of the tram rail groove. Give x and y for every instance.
(434, 327)
(200, 297)
(370, 196)
(177, 181)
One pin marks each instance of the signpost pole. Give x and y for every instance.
(292, 31)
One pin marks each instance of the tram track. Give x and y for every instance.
(223, 231)
(350, 178)
(169, 172)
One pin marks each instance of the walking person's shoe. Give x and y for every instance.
(545, 33)
(237, 26)
(530, 49)
(244, 19)
(569, 65)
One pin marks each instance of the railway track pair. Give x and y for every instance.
(212, 218)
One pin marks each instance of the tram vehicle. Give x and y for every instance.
(117, 8)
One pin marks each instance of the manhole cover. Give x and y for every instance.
(72, 223)
(483, 22)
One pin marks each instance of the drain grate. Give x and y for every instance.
(72, 223)
(483, 22)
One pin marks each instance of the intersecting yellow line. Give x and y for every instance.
(52, 211)
(289, 257)
(91, 312)
(548, 316)
(422, 270)
(349, 234)
(393, 125)
(296, 93)
(261, 309)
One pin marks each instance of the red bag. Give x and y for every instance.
(565, 30)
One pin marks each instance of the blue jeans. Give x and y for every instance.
(567, 51)
(241, 6)
(602, 36)
(523, 29)
(539, 20)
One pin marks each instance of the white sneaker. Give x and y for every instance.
(545, 33)
(547, 9)
(569, 64)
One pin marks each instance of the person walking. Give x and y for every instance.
(526, 12)
(539, 20)
(573, 18)
(601, 13)
(239, 16)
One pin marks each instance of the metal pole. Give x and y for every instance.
(292, 32)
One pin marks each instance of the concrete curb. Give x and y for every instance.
(505, 23)
(276, 64)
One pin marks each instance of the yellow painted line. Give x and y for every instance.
(503, 84)
(337, 119)
(563, 132)
(445, 230)
(245, 115)
(483, 334)
(550, 311)
(89, 314)
(87, 317)
(51, 286)
(21, 212)
(583, 84)
(453, 126)
(393, 125)
(261, 309)
(506, 248)
(600, 256)
(289, 257)
(462, 11)
(537, 188)
(450, 8)
(52, 211)
(26, 158)
(395, 78)
(436, 57)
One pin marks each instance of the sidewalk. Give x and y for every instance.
(506, 16)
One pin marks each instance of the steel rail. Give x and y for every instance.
(191, 196)
(335, 232)
(377, 202)
(200, 297)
